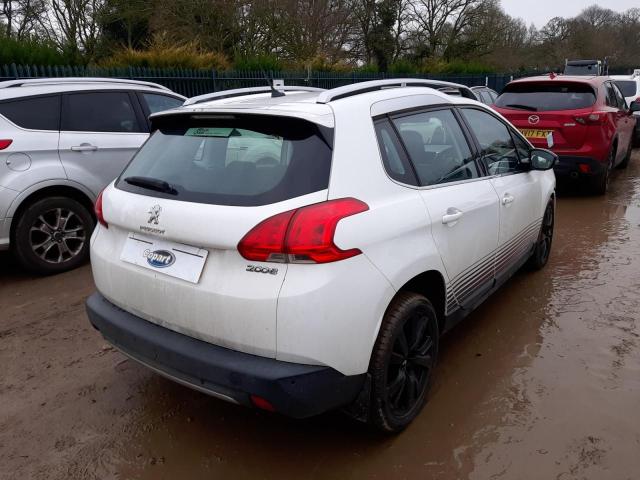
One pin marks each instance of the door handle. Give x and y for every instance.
(452, 216)
(84, 147)
(507, 199)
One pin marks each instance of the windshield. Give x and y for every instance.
(627, 87)
(539, 97)
(592, 69)
(238, 160)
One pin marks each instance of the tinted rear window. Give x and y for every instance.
(158, 103)
(627, 87)
(539, 97)
(100, 112)
(38, 113)
(238, 160)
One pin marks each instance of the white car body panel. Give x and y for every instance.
(476, 200)
(229, 307)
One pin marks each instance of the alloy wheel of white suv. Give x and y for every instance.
(305, 251)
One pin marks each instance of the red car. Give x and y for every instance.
(584, 120)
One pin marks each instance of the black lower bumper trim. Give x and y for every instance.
(293, 389)
(569, 166)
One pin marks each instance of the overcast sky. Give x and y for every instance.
(541, 11)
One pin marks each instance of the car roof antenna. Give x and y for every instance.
(274, 84)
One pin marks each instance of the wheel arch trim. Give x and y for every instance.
(40, 190)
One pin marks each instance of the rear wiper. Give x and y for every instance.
(522, 107)
(151, 184)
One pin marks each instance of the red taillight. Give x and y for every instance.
(304, 235)
(595, 118)
(99, 213)
(265, 242)
(5, 143)
(584, 167)
(262, 403)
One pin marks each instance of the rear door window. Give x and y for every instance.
(612, 101)
(36, 113)
(627, 87)
(241, 160)
(158, 103)
(100, 112)
(486, 98)
(540, 96)
(437, 147)
(622, 103)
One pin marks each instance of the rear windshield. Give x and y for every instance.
(539, 97)
(232, 160)
(627, 87)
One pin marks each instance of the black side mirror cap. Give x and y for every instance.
(542, 159)
(635, 106)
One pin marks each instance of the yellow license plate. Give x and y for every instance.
(532, 133)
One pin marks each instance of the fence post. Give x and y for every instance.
(213, 77)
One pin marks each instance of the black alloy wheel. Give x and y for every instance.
(542, 250)
(403, 362)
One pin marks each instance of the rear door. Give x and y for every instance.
(100, 132)
(462, 204)
(517, 187)
(539, 109)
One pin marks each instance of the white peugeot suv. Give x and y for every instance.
(302, 250)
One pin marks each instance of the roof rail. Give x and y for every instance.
(371, 86)
(25, 82)
(240, 92)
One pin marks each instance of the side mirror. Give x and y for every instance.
(635, 106)
(541, 159)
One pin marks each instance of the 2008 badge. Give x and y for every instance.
(253, 268)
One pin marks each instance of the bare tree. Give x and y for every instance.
(440, 22)
(73, 25)
(7, 13)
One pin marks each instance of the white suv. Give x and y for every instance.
(304, 250)
(62, 140)
(629, 85)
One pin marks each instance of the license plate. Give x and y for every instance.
(169, 258)
(532, 133)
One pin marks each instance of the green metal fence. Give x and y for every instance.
(197, 82)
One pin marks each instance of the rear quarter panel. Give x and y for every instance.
(394, 236)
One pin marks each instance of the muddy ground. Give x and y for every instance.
(542, 382)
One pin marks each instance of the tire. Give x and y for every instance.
(601, 182)
(52, 235)
(627, 158)
(402, 363)
(542, 250)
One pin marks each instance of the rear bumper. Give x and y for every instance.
(293, 389)
(569, 166)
